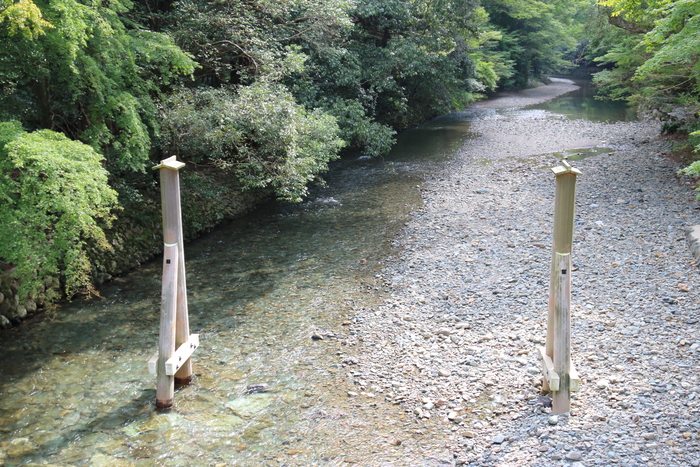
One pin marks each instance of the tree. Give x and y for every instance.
(414, 58)
(53, 197)
(22, 18)
(657, 66)
(90, 74)
(535, 35)
(259, 132)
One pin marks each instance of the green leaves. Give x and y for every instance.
(260, 133)
(656, 67)
(53, 195)
(359, 130)
(674, 42)
(22, 17)
(91, 78)
(535, 35)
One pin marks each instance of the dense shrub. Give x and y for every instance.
(53, 197)
(259, 133)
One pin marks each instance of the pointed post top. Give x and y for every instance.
(566, 169)
(170, 163)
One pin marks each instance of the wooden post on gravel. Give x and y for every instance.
(172, 363)
(560, 377)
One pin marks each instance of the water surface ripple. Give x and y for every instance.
(75, 388)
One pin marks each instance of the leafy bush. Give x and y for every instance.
(359, 130)
(53, 194)
(201, 204)
(83, 69)
(260, 133)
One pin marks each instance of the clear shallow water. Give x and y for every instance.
(74, 389)
(583, 104)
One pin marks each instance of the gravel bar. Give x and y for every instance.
(455, 343)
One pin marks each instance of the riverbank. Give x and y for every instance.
(209, 198)
(455, 343)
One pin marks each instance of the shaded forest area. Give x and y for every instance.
(264, 94)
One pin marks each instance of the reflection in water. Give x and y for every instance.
(583, 104)
(580, 154)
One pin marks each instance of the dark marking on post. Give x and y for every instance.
(164, 404)
(183, 381)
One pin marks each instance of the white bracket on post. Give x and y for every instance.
(174, 363)
(552, 376)
(181, 355)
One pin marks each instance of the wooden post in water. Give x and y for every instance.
(560, 377)
(165, 385)
(171, 365)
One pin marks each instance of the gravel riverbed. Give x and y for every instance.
(455, 343)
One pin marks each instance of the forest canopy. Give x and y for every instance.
(269, 92)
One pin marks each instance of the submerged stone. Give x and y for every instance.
(216, 421)
(248, 406)
(156, 422)
(20, 447)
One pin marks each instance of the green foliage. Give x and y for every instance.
(656, 64)
(285, 146)
(693, 131)
(674, 43)
(486, 73)
(535, 35)
(261, 133)
(198, 125)
(625, 53)
(371, 63)
(201, 204)
(91, 78)
(415, 58)
(238, 42)
(270, 91)
(360, 131)
(53, 195)
(22, 17)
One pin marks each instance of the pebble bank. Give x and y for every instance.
(455, 344)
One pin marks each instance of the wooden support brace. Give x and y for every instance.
(153, 364)
(574, 380)
(181, 355)
(548, 370)
(552, 377)
(174, 363)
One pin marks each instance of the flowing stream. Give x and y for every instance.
(74, 386)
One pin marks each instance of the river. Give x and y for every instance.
(75, 389)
